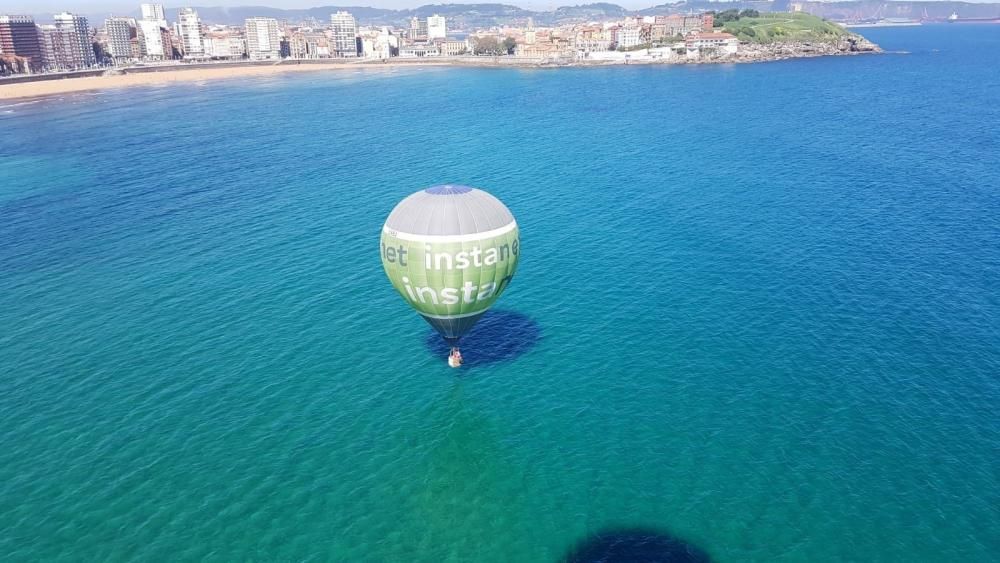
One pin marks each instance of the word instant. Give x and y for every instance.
(473, 258)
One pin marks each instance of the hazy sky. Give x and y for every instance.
(101, 6)
(96, 6)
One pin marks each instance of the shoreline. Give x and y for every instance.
(47, 85)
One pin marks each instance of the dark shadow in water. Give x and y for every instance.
(498, 337)
(635, 545)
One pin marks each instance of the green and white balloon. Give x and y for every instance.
(450, 251)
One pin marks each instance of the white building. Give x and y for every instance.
(154, 39)
(263, 40)
(82, 49)
(436, 27)
(225, 45)
(237, 47)
(222, 46)
(216, 45)
(377, 44)
(720, 43)
(189, 30)
(119, 32)
(418, 50)
(153, 12)
(344, 32)
(628, 36)
(453, 47)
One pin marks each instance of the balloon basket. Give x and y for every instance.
(455, 358)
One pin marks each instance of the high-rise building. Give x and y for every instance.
(344, 34)
(263, 41)
(189, 30)
(53, 51)
(19, 37)
(153, 12)
(119, 32)
(60, 48)
(154, 40)
(418, 29)
(81, 53)
(436, 28)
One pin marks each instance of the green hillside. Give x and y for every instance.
(777, 26)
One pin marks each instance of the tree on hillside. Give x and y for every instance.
(749, 14)
(728, 16)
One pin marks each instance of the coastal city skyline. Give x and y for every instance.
(73, 43)
(117, 7)
(162, 45)
(101, 7)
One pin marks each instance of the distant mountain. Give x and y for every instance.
(498, 10)
(695, 6)
(588, 12)
(842, 11)
(237, 15)
(470, 16)
(458, 14)
(916, 10)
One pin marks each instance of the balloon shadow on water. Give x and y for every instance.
(634, 545)
(499, 336)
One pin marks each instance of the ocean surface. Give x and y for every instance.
(757, 315)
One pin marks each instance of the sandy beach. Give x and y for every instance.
(154, 76)
(180, 74)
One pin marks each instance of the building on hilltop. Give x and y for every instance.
(344, 34)
(190, 33)
(679, 25)
(263, 39)
(19, 38)
(120, 32)
(81, 48)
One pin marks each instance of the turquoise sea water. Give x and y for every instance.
(757, 311)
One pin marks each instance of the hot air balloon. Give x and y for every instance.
(450, 251)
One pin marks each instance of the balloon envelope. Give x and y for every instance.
(450, 251)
